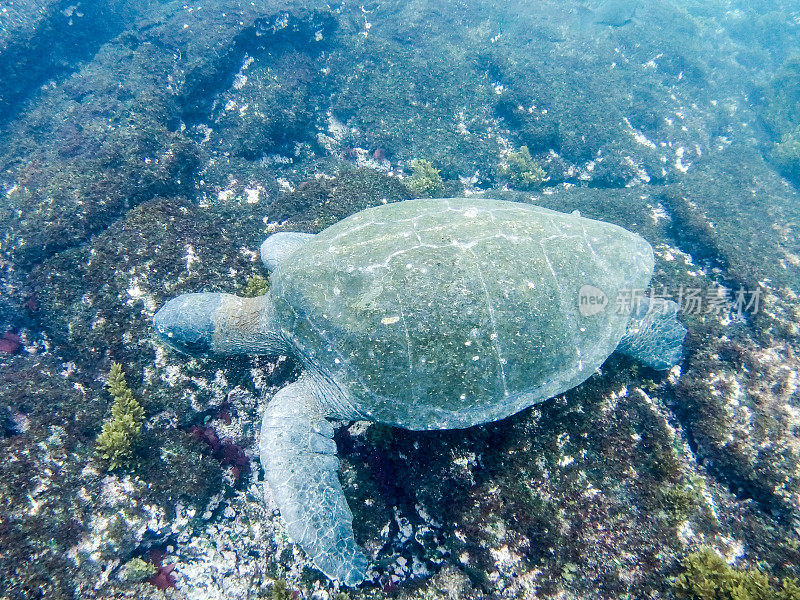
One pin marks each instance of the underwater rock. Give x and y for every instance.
(99, 300)
(755, 242)
(615, 13)
(56, 501)
(43, 39)
(72, 167)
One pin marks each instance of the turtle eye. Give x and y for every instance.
(197, 345)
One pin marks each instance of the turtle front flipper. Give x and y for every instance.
(279, 246)
(299, 459)
(654, 335)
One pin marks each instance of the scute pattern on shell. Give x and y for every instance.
(439, 314)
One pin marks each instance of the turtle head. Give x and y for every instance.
(187, 322)
(209, 323)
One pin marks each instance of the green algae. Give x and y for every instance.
(281, 591)
(706, 576)
(425, 180)
(257, 285)
(116, 441)
(523, 172)
(781, 114)
(138, 569)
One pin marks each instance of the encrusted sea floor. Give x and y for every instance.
(146, 150)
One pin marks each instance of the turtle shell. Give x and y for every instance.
(445, 313)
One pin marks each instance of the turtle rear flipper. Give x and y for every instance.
(299, 459)
(654, 335)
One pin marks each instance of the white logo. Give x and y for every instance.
(591, 300)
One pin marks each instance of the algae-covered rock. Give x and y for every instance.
(113, 134)
(97, 301)
(786, 155)
(317, 203)
(78, 521)
(36, 37)
(781, 105)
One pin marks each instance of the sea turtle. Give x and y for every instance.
(423, 314)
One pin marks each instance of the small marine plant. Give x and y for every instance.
(281, 591)
(425, 179)
(523, 172)
(706, 576)
(138, 569)
(257, 285)
(116, 441)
